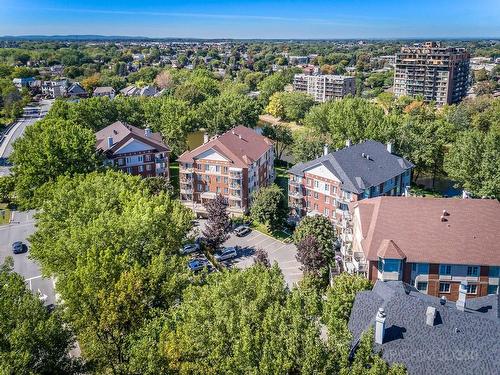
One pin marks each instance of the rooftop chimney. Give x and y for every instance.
(326, 151)
(110, 142)
(380, 326)
(442, 300)
(389, 147)
(147, 132)
(430, 315)
(462, 295)
(348, 143)
(205, 138)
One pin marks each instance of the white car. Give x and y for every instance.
(190, 248)
(227, 253)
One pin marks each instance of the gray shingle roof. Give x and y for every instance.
(357, 172)
(460, 342)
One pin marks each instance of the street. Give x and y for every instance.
(22, 226)
(17, 131)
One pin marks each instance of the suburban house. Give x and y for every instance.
(133, 150)
(433, 244)
(234, 164)
(23, 82)
(76, 90)
(136, 91)
(429, 335)
(54, 89)
(105, 91)
(326, 185)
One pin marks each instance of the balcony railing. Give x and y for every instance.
(295, 193)
(186, 170)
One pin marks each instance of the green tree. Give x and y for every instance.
(221, 113)
(274, 83)
(473, 161)
(290, 106)
(262, 329)
(281, 135)
(268, 206)
(33, 341)
(321, 229)
(112, 245)
(48, 149)
(308, 144)
(7, 185)
(217, 228)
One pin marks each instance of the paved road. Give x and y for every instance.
(277, 251)
(17, 131)
(22, 226)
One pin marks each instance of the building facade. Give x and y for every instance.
(327, 185)
(433, 244)
(234, 164)
(133, 150)
(439, 74)
(324, 87)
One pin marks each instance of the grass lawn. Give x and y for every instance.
(4, 213)
(278, 234)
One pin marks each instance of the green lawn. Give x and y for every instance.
(278, 234)
(4, 213)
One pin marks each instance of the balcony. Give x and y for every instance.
(359, 263)
(234, 186)
(186, 170)
(297, 194)
(234, 197)
(186, 190)
(294, 183)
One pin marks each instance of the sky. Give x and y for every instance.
(313, 19)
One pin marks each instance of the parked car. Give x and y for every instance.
(18, 247)
(227, 253)
(190, 248)
(242, 230)
(197, 264)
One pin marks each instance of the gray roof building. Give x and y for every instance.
(359, 166)
(457, 342)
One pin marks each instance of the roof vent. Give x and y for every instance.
(348, 143)
(443, 218)
(363, 155)
(446, 213)
(380, 326)
(442, 300)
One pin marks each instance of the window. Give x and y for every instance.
(422, 268)
(343, 206)
(207, 167)
(315, 206)
(327, 199)
(148, 167)
(422, 286)
(225, 180)
(494, 272)
(141, 168)
(140, 158)
(218, 179)
(492, 289)
(200, 187)
(471, 289)
(391, 265)
(334, 190)
(445, 269)
(316, 183)
(327, 212)
(316, 195)
(217, 190)
(226, 190)
(472, 271)
(327, 187)
(217, 168)
(444, 287)
(309, 182)
(224, 169)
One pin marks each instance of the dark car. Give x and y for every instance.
(18, 247)
(242, 230)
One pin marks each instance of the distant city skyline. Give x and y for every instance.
(257, 19)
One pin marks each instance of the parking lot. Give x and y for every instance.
(21, 227)
(277, 251)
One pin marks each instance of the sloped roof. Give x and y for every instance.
(468, 234)
(358, 172)
(241, 145)
(388, 249)
(103, 90)
(121, 133)
(76, 89)
(460, 342)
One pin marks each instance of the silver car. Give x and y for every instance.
(226, 254)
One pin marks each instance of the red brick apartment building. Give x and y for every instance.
(133, 150)
(433, 244)
(325, 186)
(234, 164)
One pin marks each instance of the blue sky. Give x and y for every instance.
(254, 19)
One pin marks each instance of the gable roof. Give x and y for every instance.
(389, 250)
(460, 342)
(468, 234)
(360, 166)
(103, 90)
(241, 145)
(76, 89)
(121, 133)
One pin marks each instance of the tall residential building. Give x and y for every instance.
(133, 150)
(437, 73)
(324, 87)
(234, 164)
(325, 186)
(433, 244)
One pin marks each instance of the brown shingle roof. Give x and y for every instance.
(469, 234)
(388, 249)
(121, 133)
(241, 145)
